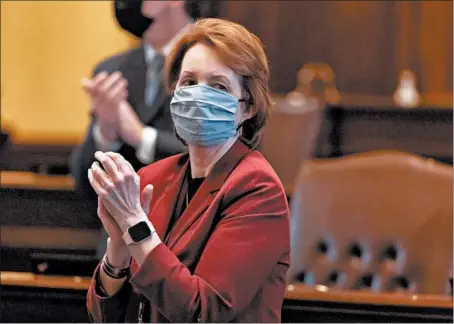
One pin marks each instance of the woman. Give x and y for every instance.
(208, 231)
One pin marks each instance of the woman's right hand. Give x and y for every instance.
(117, 250)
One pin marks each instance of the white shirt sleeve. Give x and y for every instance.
(103, 144)
(147, 147)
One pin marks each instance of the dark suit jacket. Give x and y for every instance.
(226, 257)
(133, 67)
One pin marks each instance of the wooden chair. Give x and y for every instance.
(378, 221)
(290, 136)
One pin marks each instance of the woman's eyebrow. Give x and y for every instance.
(187, 73)
(220, 77)
(209, 75)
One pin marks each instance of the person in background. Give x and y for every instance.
(201, 236)
(130, 106)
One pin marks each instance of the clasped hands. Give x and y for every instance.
(115, 116)
(120, 202)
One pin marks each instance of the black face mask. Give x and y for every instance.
(130, 18)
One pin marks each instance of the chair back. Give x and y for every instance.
(379, 221)
(290, 135)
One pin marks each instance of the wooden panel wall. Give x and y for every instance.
(366, 42)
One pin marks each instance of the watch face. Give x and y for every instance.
(139, 232)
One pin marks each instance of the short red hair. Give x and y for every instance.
(243, 53)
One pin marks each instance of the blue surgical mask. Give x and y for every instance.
(204, 115)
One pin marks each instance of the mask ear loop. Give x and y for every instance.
(250, 101)
(240, 125)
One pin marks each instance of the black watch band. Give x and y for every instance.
(115, 273)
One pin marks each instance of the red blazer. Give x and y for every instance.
(225, 259)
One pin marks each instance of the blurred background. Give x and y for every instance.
(362, 89)
(48, 46)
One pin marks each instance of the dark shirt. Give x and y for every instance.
(187, 192)
(193, 186)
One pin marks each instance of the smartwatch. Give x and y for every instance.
(138, 232)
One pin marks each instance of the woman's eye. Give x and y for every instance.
(188, 82)
(220, 86)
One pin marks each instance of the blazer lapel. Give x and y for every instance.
(161, 212)
(206, 193)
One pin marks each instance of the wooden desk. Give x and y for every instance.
(49, 237)
(26, 279)
(305, 304)
(364, 123)
(29, 180)
(50, 159)
(43, 214)
(301, 304)
(33, 298)
(30, 199)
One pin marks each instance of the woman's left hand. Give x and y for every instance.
(119, 188)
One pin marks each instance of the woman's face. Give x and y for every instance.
(152, 9)
(201, 65)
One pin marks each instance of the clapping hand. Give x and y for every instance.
(106, 93)
(118, 252)
(114, 114)
(118, 187)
